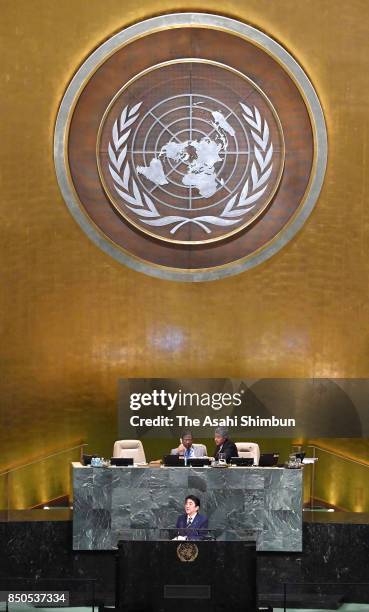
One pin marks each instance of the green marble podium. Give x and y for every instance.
(137, 502)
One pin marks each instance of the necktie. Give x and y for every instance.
(189, 521)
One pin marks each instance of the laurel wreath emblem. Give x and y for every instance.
(234, 210)
(187, 552)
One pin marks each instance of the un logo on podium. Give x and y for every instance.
(187, 552)
(190, 147)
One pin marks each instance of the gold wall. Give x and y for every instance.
(73, 320)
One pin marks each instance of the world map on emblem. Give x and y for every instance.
(200, 156)
(196, 165)
(190, 148)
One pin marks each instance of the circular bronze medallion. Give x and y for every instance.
(187, 552)
(190, 147)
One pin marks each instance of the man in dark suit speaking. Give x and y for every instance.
(192, 525)
(224, 444)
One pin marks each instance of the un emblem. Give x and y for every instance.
(191, 167)
(190, 147)
(187, 552)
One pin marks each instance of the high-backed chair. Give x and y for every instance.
(249, 449)
(204, 450)
(130, 449)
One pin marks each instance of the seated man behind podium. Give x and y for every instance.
(186, 448)
(224, 444)
(192, 525)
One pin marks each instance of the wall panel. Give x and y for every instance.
(73, 321)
